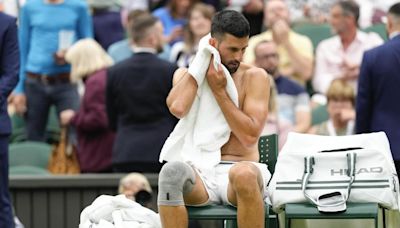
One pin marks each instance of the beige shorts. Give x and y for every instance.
(216, 182)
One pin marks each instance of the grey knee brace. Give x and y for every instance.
(174, 180)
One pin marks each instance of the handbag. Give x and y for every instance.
(64, 158)
(359, 168)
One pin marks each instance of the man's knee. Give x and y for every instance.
(245, 177)
(175, 180)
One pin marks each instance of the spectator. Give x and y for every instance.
(136, 187)
(9, 63)
(89, 62)
(174, 17)
(378, 88)
(340, 107)
(295, 50)
(340, 56)
(136, 92)
(309, 11)
(47, 29)
(199, 25)
(122, 50)
(293, 101)
(107, 25)
(373, 11)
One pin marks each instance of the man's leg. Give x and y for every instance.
(38, 105)
(178, 184)
(245, 191)
(6, 218)
(65, 96)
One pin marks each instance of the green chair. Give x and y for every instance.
(27, 170)
(319, 114)
(380, 29)
(316, 32)
(268, 149)
(18, 129)
(353, 211)
(29, 153)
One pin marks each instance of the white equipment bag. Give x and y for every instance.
(359, 167)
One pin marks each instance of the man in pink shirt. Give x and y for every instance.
(340, 56)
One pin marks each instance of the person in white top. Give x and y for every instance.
(340, 56)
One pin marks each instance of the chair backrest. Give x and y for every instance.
(28, 170)
(30, 154)
(380, 29)
(319, 115)
(268, 149)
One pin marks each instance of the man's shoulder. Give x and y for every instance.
(255, 76)
(138, 59)
(328, 43)
(6, 19)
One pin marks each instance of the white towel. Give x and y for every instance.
(199, 136)
(118, 212)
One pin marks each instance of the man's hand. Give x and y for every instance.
(351, 71)
(254, 7)
(59, 57)
(19, 102)
(347, 114)
(66, 116)
(280, 32)
(216, 78)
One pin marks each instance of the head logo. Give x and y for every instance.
(342, 172)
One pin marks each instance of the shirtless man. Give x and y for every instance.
(241, 180)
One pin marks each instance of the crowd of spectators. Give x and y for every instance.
(123, 54)
(90, 37)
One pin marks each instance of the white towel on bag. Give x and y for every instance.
(199, 136)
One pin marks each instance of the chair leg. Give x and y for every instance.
(287, 222)
(383, 218)
(230, 224)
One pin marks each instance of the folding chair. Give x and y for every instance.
(268, 149)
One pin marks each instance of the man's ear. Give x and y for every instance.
(213, 42)
(389, 25)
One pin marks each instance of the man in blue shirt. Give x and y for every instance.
(9, 64)
(47, 29)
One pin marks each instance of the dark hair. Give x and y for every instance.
(350, 7)
(395, 9)
(140, 26)
(231, 22)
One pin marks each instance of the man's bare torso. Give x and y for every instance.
(233, 150)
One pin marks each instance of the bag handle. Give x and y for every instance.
(309, 162)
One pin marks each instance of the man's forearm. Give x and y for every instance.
(182, 95)
(243, 126)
